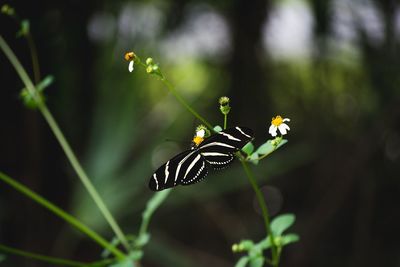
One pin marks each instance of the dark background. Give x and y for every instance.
(332, 67)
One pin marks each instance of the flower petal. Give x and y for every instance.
(130, 67)
(272, 130)
(283, 128)
(286, 119)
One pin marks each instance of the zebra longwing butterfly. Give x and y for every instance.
(191, 166)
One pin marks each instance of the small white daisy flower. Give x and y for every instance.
(278, 123)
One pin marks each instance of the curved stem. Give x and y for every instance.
(64, 144)
(61, 213)
(264, 211)
(83, 176)
(40, 257)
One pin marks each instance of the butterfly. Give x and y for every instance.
(192, 166)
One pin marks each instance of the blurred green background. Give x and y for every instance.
(332, 67)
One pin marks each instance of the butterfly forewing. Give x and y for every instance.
(164, 177)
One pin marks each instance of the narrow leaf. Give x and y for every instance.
(265, 148)
(242, 261)
(217, 128)
(281, 223)
(257, 262)
(289, 238)
(254, 158)
(248, 148)
(46, 82)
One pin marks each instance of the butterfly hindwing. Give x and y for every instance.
(196, 170)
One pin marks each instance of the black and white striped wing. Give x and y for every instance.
(186, 168)
(218, 150)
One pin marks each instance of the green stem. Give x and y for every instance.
(83, 176)
(172, 89)
(48, 259)
(61, 213)
(225, 120)
(184, 103)
(151, 207)
(64, 144)
(264, 211)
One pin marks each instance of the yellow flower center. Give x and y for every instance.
(130, 56)
(197, 140)
(277, 120)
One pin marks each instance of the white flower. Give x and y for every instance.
(201, 133)
(278, 123)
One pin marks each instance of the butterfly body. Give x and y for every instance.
(192, 166)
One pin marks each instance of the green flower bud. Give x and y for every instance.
(149, 61)
(224, 105)
(149, 69)
(6, 9)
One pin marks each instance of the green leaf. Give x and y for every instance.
(127, 262)
(242, 262)
(257, 262)
(142, 239)
(248, 148)
(24, 30)
(265, 148)
(281, 143)
(254, 158)
(265, 243)
(289, 238)
(135, 255)
(246, 245)
(217, 128)
(46, 82)
(2, 257)
(281, 223)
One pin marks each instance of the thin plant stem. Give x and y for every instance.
(64, 144)
(61, 213)
(264, 211)
(178, 97)
(40, 257)
(151, 207)
(172, 89)
(225, 120)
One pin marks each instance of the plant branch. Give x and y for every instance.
(40, 257)
(264, 211)
(64, 144)
(61, 213)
